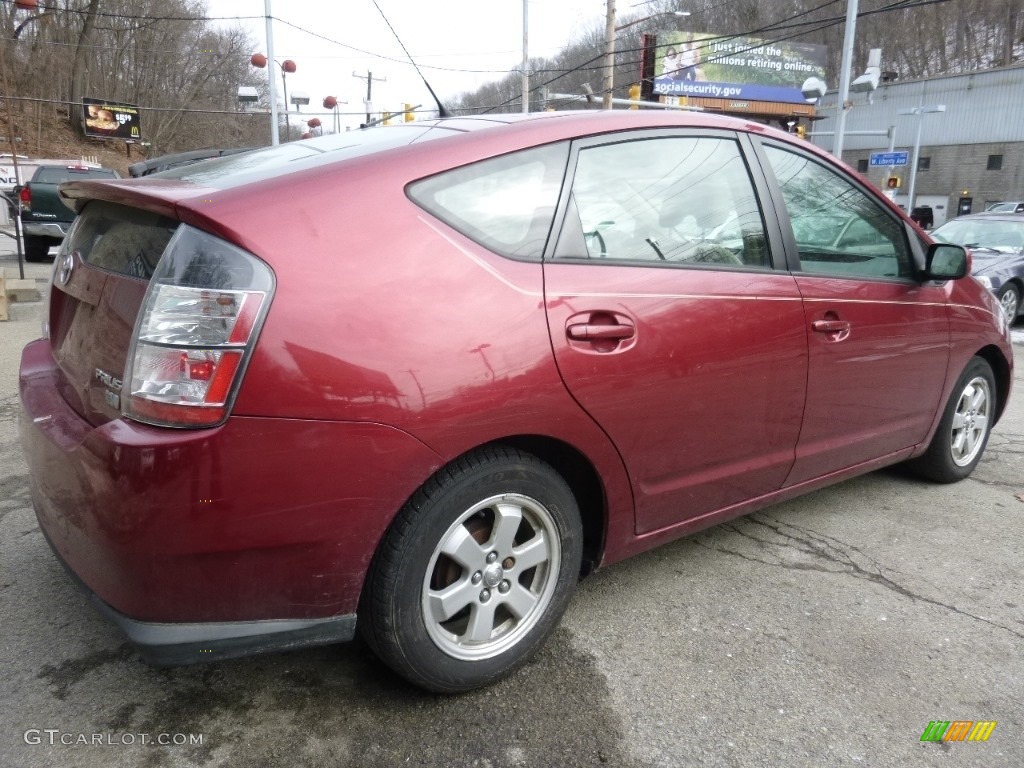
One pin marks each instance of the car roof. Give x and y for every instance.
(482, 136)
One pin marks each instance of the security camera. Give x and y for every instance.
(872, 73)
(813, 89)
(867, 82)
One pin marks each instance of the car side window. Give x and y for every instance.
(839, 230)
(669, 200)
(505, 203)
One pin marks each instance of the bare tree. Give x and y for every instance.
(78, 66)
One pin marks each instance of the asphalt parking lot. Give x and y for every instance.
(828, 631)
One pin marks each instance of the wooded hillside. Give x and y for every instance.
(158, 54)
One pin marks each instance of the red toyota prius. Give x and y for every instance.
(417, 380)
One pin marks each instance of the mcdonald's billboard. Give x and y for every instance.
(111, 120)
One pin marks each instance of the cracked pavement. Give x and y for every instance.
(827, 631)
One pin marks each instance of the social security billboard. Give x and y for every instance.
(722, 67)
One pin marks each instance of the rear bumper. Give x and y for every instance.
(49, 229)
(259, 520)
(196, 643)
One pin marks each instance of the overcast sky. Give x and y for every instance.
(458, 44)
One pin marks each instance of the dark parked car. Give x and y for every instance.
(423, 377)
(924, 216)
(996, 241)
(44, 218)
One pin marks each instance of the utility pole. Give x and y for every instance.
(609, 53)
(526, 58)
(275, 136)
(369, 91)
(19, 238)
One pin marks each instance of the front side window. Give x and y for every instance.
(668, 200)
(504, 203)
(839, 230)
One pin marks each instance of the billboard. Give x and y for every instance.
(109, 120)
(748, 68)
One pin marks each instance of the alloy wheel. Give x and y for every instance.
(491, 577)
(970, 421)
(1010, 303)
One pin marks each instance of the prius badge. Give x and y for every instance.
(111, 394)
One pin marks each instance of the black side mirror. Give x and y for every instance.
(945, 261)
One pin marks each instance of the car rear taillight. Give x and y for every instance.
(26, 198)
(195, 333)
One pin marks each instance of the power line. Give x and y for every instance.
(704, 41)
(36, 100)
(62, 102)
(773, 27)
(43, 8)
(404, 62)
(770, 27)
(559, 73)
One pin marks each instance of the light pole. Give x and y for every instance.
(287, 66)
(609, 45)
(844, 77)
(331, 103)
(920, 112)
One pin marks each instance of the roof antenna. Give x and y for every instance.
(441, 111)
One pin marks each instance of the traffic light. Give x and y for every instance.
(893, 182)
(634, 95)
(385, 118)
(801, 131)
(409, 114)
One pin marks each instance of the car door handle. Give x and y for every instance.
(831, 326)
(595, 332)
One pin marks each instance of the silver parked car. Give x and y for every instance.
(996, 242)
(1010, 206)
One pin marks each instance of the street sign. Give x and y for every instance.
(888, 158)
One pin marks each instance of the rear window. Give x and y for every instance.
(272, 162)
(58, 175)
(120, 239)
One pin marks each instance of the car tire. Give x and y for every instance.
(963, 433)
(1009, 300)
(474, 572)
(36, 248)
